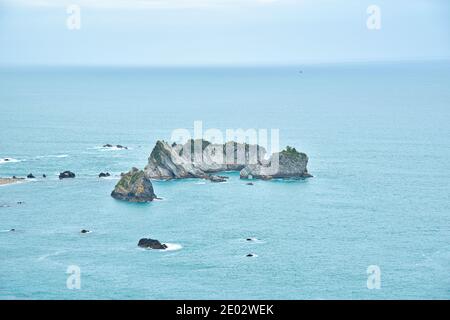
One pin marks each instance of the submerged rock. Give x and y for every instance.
(134, 186)
(286, 164)
(66, 175)
(218, 178)
(116, 146)
(151, 244)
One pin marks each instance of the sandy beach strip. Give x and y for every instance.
(5, 181)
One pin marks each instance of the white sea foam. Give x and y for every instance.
(113, 148)
(173, 246)
(111, 177)
(48, 255)
(253, 240)
(53, 156)
(9, 160)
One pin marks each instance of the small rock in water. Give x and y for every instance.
(84, 231)
(6, 160)
(12, 230)
(218, 178)
(66, 174)
(121, 147)
(20, 202)
(44, 176)
(250, 255)
(250, 184)
(151, 244)
(104, 175)
(107, 146)
(30, 176)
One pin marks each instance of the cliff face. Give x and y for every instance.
(134, 187)
(200, 159)
(286, 164)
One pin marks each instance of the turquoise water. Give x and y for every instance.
(378, 141)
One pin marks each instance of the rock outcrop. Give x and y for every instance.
(104, 175)
(151, 244)
(200, 159)
(287, 164)
(134, 186)
(116, 146)
(66, 175)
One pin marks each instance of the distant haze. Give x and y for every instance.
(221, 32)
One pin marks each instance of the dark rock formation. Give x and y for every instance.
(213, 178)
(30, 176)
(151, 244)
(44, 176)
(117, 146)
(104, 175)
(84, 231)
(66, 175)
(134, 186)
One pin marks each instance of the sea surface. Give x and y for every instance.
(377, 136)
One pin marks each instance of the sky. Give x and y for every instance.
(221, 32)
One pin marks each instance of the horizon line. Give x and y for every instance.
(227, 65)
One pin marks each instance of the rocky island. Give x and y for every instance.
(202, 159)
(134, 186)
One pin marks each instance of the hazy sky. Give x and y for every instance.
(205, 32)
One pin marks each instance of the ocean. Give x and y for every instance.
(377, 137)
